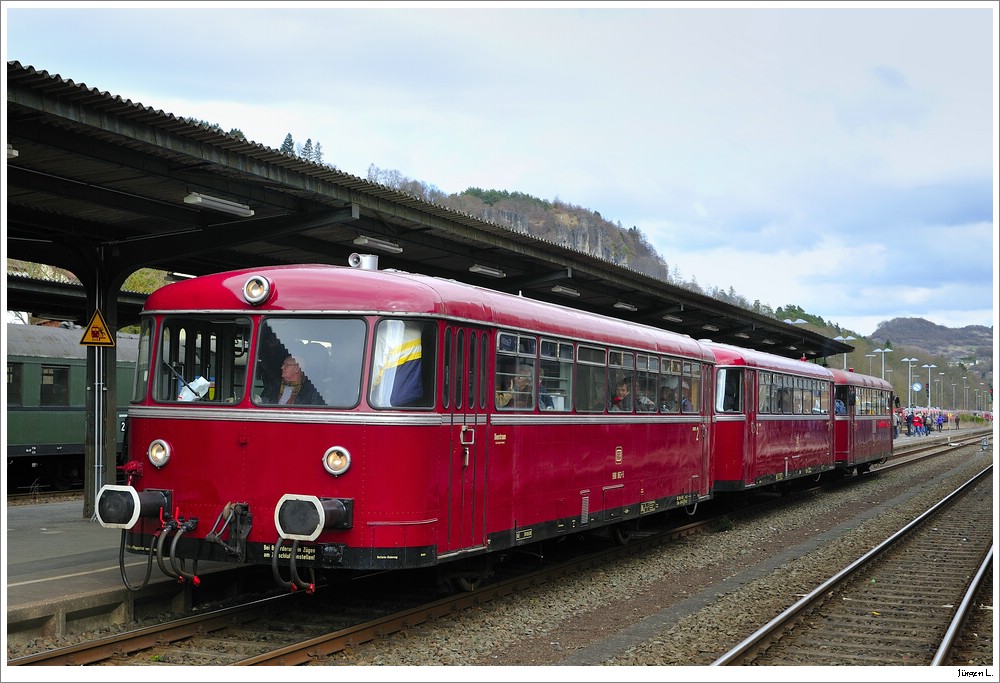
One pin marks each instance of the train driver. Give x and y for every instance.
(294, 388)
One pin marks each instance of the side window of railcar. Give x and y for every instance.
(729, 390)
(591, 391)
(691, 387)
(54, 389)
(202, 359)
(515, 372)
(621, 373)
(15, 384)
(555, 375)
(817, 388)
(765, 388)
(15, 375)
(781, 400)
(841, 399)
(141, 378)
(402, 364)
(647, 374)
(669, 392)
(798, 395)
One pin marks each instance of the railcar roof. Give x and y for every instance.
(318, 288)
(44, 341)
(726, 354)
(858, 380)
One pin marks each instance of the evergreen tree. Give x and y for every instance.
(288, 146)
(318, 153)
(307, 150)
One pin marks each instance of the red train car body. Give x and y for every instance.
(862, 420)
(433, 423)
(772, 418)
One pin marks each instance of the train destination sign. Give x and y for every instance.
(96, 332)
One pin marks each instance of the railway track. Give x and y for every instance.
(294, 629)
(903, 603)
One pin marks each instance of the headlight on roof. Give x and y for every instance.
(256, 290)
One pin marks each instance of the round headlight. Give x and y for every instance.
(256, 290)
(158, 453)
(336, 460)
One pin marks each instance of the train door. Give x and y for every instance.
(466, 351)
(843, 424)
(758, 400)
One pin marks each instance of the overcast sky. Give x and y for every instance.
(840, 158)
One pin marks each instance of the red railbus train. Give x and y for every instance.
(863, 427)
(322, 417)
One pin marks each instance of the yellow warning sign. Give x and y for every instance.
(96, 332)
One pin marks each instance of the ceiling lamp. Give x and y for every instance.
(224, 205)
(710, 328)
(375, 243)
(568, 291)
(672, 319)
(486, 270)
(625, 306)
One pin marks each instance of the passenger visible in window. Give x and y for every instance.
(686, 405)
(667, 400)
(293, 388)
(839, 408)
(544, 399)
(518, 393)
(622, 400)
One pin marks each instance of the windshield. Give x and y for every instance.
(201, 359)
(309, 362)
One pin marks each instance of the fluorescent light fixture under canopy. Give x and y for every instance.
(568, 291)
(224, 205)
(625, 306)
(376, 243)
(486, 270)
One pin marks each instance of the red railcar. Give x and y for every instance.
(320, 417)
(862, 420)
(771, 420)
(408, 453)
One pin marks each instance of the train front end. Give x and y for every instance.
(246, 426)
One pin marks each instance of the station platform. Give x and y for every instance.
(62, 575)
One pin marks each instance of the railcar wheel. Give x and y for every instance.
(620, 534)
(471, 575)
(469, 583)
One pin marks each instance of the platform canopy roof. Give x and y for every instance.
(96, 182)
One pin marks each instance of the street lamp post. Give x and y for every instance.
(845, 339)
(965, 393)
(883, 352)
(941, 394)
(869, 356)
(909, 380)
(953, 406)
(925, 365)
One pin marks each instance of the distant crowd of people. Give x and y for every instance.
(922, 423)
